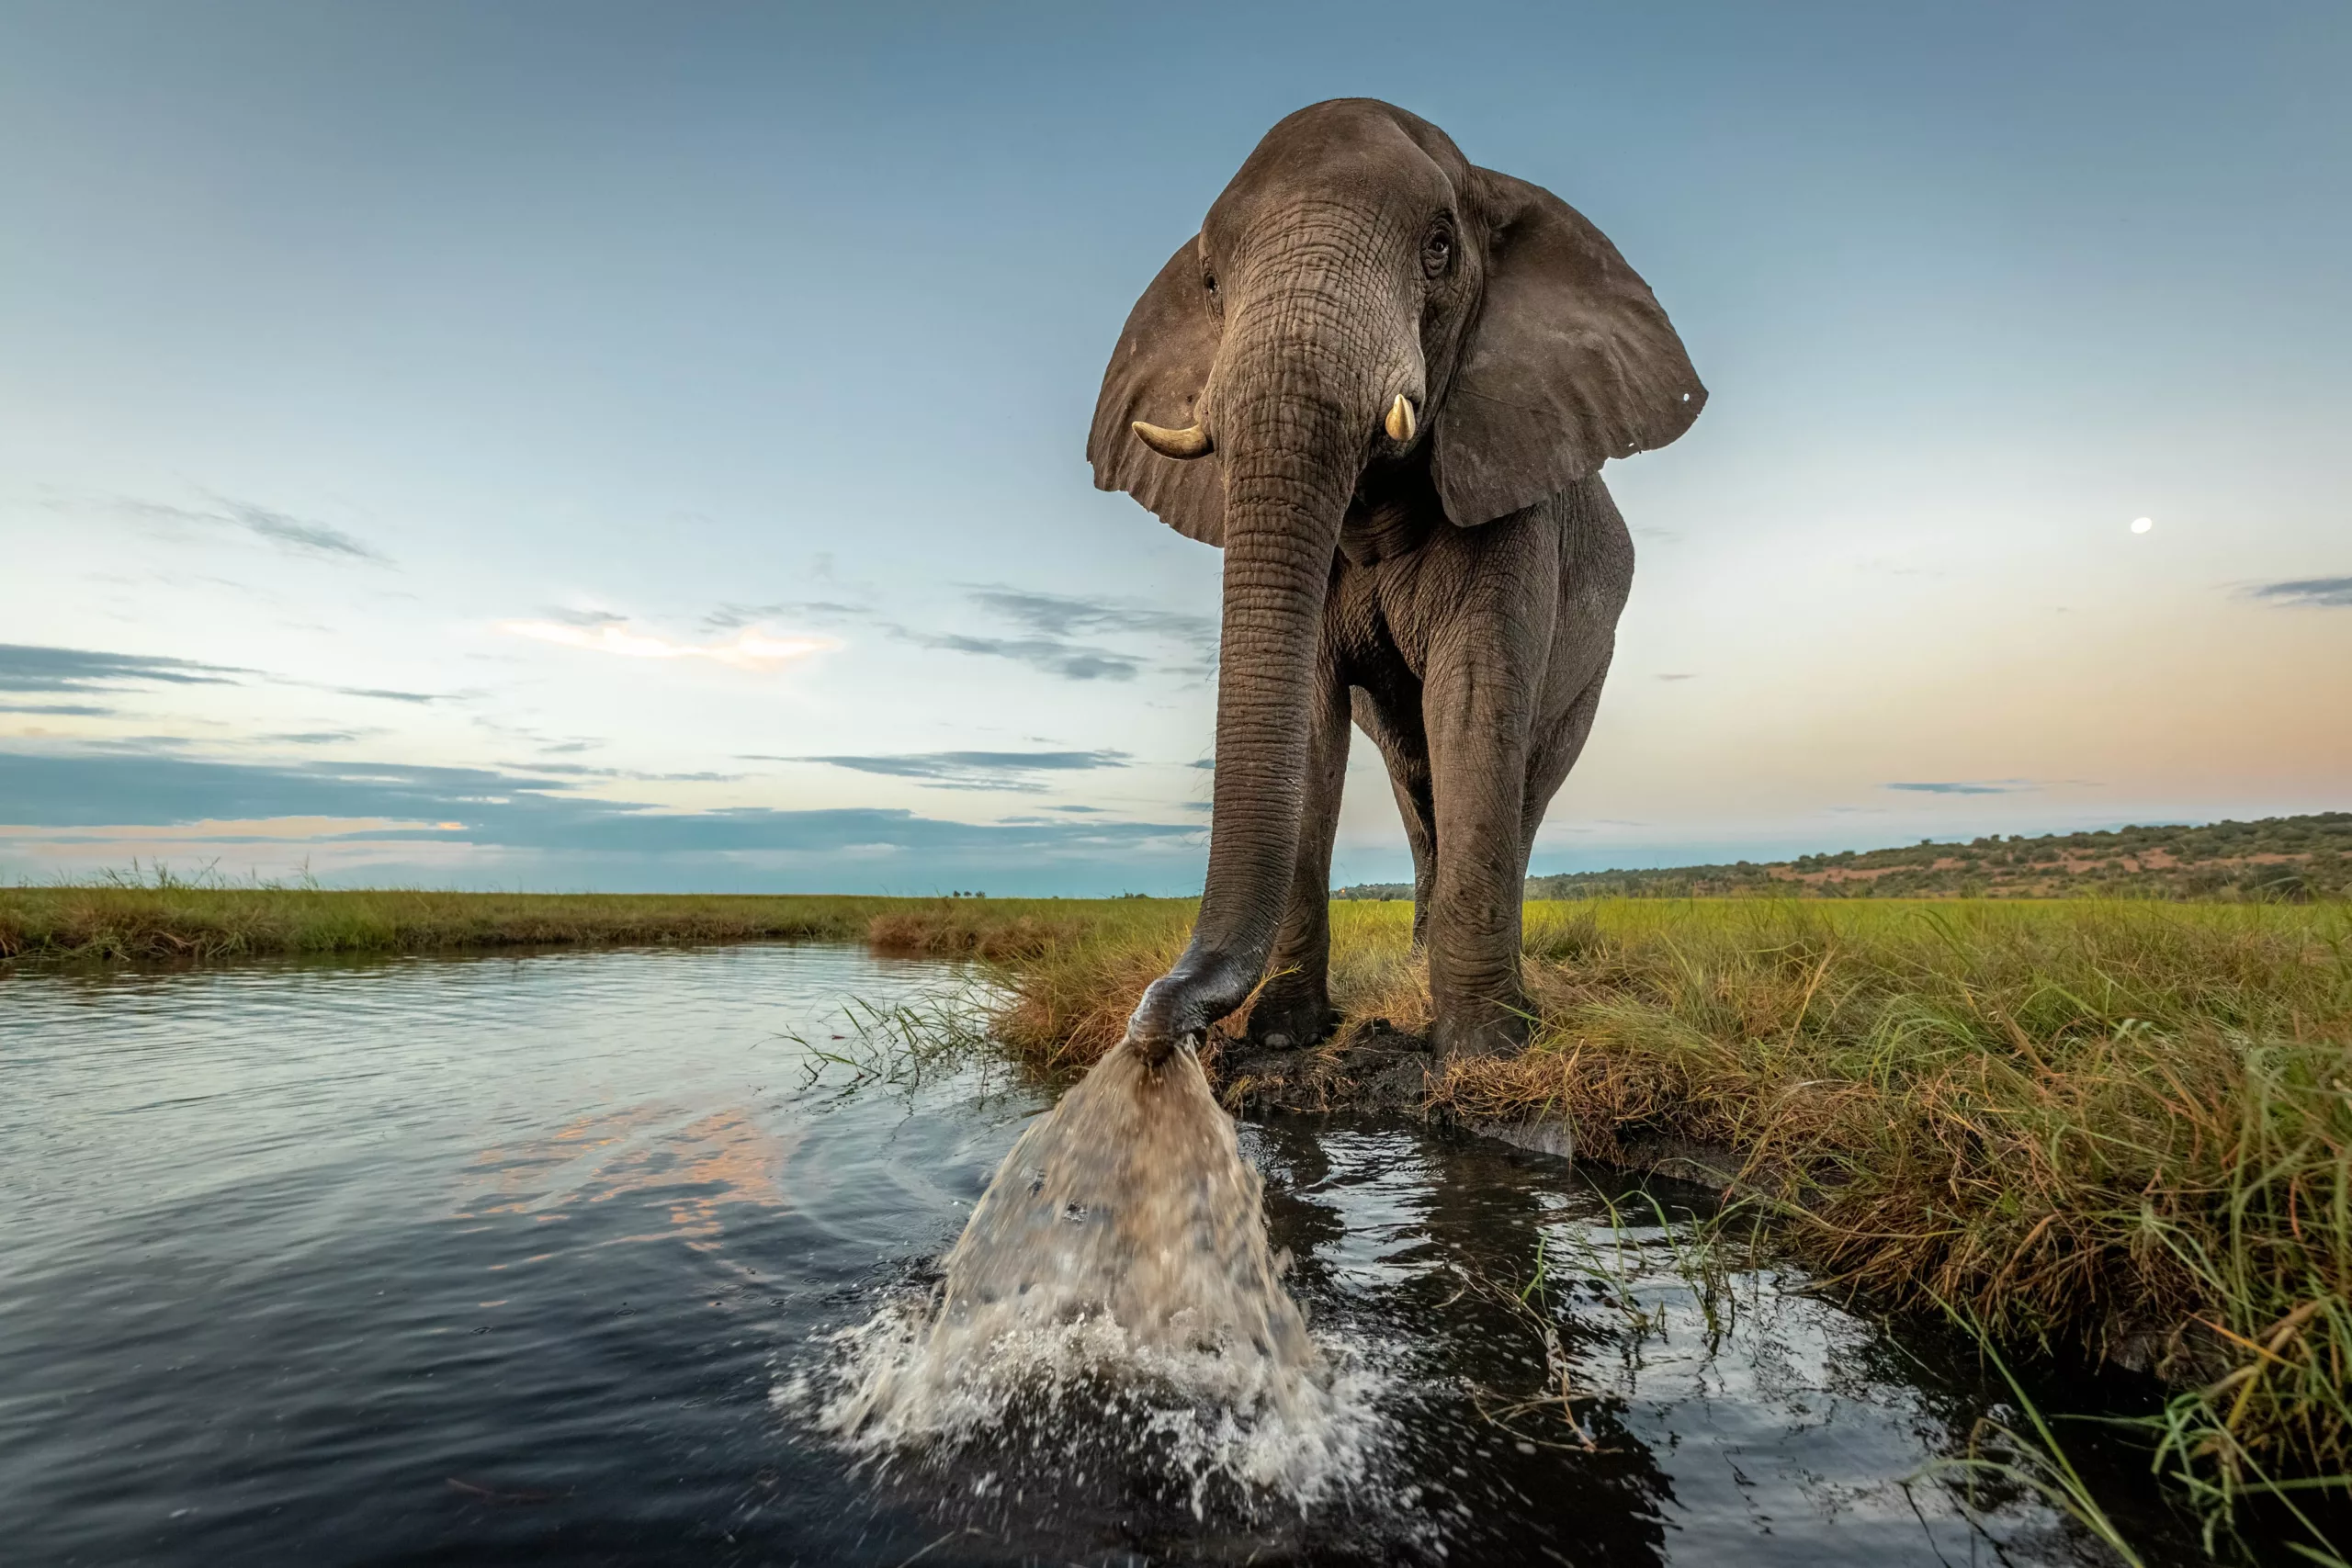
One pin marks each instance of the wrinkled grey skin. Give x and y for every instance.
(1455, 593)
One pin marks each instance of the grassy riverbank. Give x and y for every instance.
(2125, 1127)
(197, 922)
(168, 919)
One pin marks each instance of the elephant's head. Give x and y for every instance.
(1359, 299)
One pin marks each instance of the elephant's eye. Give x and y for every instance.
(1208, 281)
(1437, 252)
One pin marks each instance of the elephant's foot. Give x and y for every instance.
(1290, 1013)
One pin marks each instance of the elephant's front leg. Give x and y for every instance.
(1294, 1007)
(1476, 705)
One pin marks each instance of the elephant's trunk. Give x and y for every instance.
(1288, 484)
(1297, 408)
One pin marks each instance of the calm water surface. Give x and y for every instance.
(522, 1258)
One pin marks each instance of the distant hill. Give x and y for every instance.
(2278, 858)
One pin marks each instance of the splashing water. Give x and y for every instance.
(1114, 1287)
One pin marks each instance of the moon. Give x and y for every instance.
(2142, 525)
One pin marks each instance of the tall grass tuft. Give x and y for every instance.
(2034, 1460)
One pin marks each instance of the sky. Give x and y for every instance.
(570, 446)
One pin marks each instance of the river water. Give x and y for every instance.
(567, 1258)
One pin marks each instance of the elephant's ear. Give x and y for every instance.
(1570, 361)
(1157, 374)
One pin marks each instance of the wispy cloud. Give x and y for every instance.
(971, 770)
(1052, 624)
(1058, 634)
(1072, 661)
(578, 771)
(2326, 592)
(592, 617)
(824, 611)
(386, 695)
(301, 535)
(1679, 675)
(88, 793)
(1967, 786)
(64, 710)
(1061, 616)
(747, 650)
(314, 737)
(28, 668)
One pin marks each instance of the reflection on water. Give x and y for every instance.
(522, 1257)
(694, 1163)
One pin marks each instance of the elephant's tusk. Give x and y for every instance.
(1190, 442)
(1399, 422)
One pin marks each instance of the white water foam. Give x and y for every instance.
(1113, 1299)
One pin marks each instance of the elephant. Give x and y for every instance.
(1383, 381)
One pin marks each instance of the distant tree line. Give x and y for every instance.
(2279, 858)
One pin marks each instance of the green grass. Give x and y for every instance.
(166, 918)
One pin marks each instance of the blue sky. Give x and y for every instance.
(575, 445)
